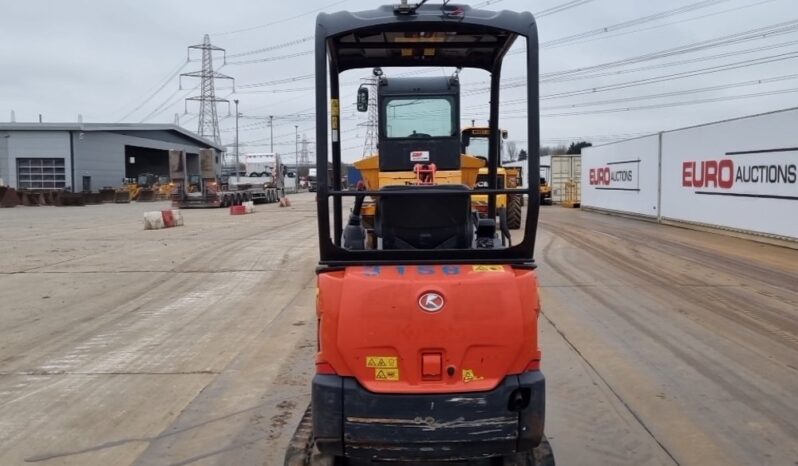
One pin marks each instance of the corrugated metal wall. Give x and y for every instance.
(97, 154)
(37, 144)
(4, 159)
(101, 155)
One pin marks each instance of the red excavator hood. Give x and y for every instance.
(432, 329)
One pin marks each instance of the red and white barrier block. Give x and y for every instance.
(166, 218)
(245, 208)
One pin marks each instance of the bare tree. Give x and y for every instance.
(512, 150)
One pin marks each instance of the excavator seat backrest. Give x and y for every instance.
(426, 221)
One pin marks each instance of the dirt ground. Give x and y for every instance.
(194, 345)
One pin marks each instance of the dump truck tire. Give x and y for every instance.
(514, 211)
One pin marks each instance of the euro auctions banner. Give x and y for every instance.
(619, 176)
(622, 176)
(768, 173)
(740, 174)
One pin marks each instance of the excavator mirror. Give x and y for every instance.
(504, 134)
(363, 99)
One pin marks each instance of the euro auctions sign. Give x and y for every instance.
(616, 176)
(759, 174)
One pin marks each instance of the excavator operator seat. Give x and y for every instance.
(422, 221)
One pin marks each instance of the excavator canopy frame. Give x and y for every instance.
(413, 36)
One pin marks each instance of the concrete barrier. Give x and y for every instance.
(166, 218)
(249, 206)
(177, 214)
(237, 210)
(153, 221)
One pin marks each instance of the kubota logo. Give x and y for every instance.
(431, 302)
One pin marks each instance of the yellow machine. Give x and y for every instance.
(163, 188)
(475, 143)
(545, 192)
(143, 188)
(374, 179)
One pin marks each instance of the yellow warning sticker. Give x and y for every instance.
(335, 111)
(487, 268)
(386, 374)
(469, 376)
(384, 362)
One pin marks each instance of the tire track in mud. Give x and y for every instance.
(694, 299)
(603, 426)
(749, 314)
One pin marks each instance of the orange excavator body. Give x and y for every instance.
(427, 319)
(374, 326)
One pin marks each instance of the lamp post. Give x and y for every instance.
(296, 151)
(238, 169)
(271, 134)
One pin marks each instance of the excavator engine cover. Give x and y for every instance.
(428, 362)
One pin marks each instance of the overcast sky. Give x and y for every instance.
(106, 60)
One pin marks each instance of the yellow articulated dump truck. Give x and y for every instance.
(475, 144)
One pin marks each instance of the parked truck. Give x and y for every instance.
(197, 184)
(353, 177)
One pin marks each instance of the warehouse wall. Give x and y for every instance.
(37, 144)
(101, 155)
(5, 161)
(622, 176)
(739, 174)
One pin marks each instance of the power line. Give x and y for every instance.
(301, 40)
(280, 21)
(681, 62)
(745, 36)
(720, 87)
(672, 76)
(270, 59)
(279, 91)
(167, 104)
(633, 22)
(685, 20)
(172, 76)
(665, 105)
(585, 72)
(561, 7)
(277, 81)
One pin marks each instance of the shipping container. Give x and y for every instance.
(566, 174)
(523, 166)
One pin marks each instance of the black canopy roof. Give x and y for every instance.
(434, 35)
